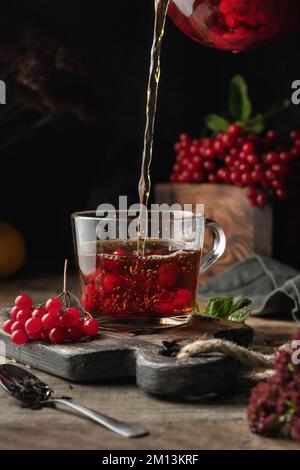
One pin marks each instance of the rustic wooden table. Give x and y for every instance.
(217, 423)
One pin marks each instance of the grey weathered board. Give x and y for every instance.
(117, 355)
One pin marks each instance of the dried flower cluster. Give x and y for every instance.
(49, 75)
(274, 408)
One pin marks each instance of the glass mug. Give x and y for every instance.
(126, 279)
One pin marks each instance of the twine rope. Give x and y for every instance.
(255, 366)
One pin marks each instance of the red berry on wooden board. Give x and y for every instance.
(7, 326)
(73, 334)
(75, 312)
(50, 320)
(17, 326)
(23, 315)
(35, 336)
(90, 327)
(53, 305)
(39, 312)
(66, 319)
(23, 301)
(57, 335)
(33, 325)
(45, 335)
(13, 312)
(19, 337)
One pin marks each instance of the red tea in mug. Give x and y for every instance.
(118, 282)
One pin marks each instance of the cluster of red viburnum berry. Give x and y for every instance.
(257, 163)
(274, 407)
(51, 322)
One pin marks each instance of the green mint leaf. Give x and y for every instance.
(216, 123)
(236, 309)
(256, 124)
(240, 106)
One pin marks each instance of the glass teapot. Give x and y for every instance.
(235, 25)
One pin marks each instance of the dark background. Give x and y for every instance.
(74, 165)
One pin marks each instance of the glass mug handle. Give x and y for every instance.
(218, 245)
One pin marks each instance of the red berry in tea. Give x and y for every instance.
(111, 282)
(166, 308)
(169, 268)
(143, 284)
(184, 294)
(179, 303)
(119, 252)
(167, 280)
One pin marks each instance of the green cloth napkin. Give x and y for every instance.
(273, 287)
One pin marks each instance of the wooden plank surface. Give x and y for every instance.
(125, 354)
(215, 423)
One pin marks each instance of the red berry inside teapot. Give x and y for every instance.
(235, 25)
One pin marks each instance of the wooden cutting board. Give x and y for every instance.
(117, 355)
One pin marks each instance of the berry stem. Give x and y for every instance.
(65, 276)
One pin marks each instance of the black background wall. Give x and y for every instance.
(72, 166)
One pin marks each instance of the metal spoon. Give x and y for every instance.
(9, 374)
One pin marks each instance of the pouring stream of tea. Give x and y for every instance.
(161, 8)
